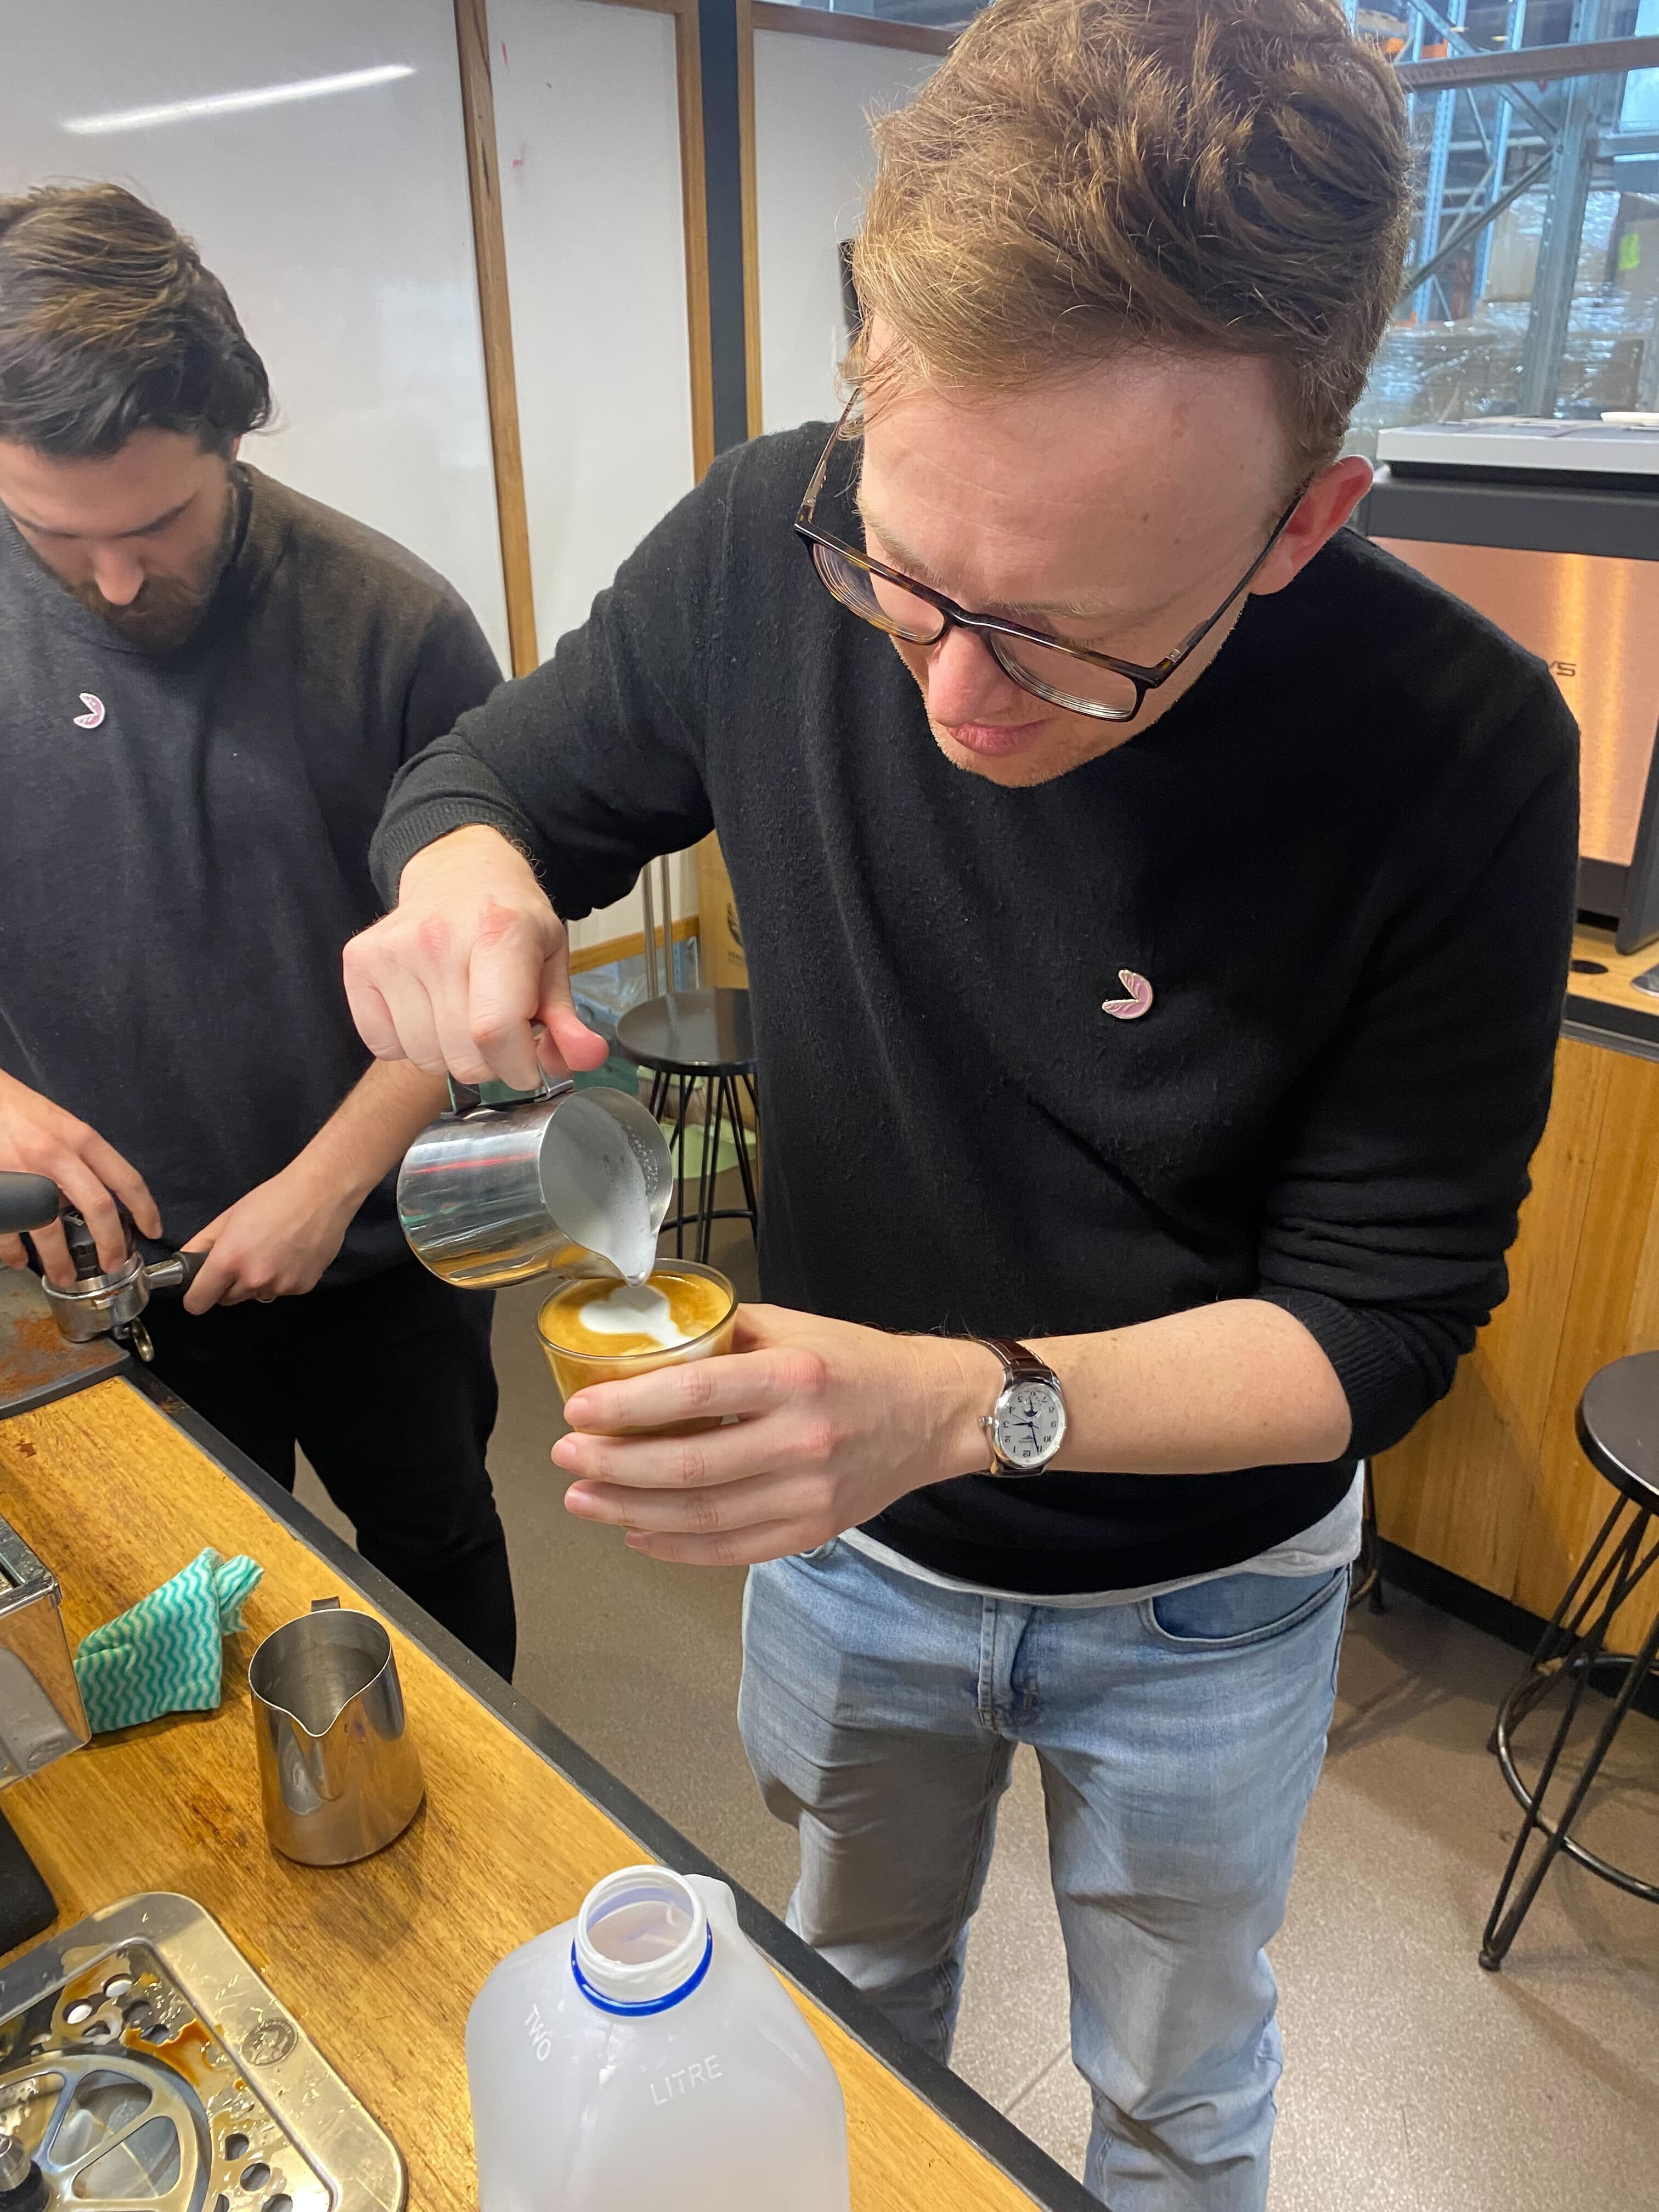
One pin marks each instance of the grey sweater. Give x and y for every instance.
(183, 845)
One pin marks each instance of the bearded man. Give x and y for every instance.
(210, 683)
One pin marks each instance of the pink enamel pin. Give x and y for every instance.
(1132, 1008)
(94, 714)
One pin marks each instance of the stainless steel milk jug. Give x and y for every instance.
(339, 1775)
(509, 1184)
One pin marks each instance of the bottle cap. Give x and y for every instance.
(642, 1941)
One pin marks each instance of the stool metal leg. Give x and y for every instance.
(741, 1137)
(1564, 1631)
(714, 1099)
(720, 1108)
(677, 1148)
(1626, 1566)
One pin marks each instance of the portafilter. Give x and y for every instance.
(99, 1304)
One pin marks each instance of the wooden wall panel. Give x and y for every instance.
(1492, 1484)
(1613, 1310)
(751, 190)
(1456, 1490)
(694, 190)
(495, 314)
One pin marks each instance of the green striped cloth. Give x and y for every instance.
(165, 1655)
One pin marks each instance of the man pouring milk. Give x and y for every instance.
(1158, 904)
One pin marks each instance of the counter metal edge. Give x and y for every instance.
(1621, 1029)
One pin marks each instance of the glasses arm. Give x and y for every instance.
(804, 512)
(1172, 661)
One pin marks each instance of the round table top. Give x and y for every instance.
(1619, 1424)
(691, 1033)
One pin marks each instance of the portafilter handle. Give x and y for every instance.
(175, 1272)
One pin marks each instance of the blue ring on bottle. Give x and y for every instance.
(650, 2004)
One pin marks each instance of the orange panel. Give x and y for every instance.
(1595, 621)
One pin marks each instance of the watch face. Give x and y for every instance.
(1030, 1420)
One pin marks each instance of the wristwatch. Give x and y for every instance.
(1027, 1426)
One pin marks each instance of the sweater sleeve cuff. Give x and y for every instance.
(399, 839)
(1387, 1380)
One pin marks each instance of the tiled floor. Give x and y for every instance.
(1413, 2082)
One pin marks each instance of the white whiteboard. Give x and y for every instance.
(814, 162)
(339, 221)
(588, 137)
(588, 142)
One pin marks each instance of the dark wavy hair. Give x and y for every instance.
(109, 323)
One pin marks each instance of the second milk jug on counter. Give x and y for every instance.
(644, 2057)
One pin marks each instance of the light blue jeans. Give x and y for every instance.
(1179, 1739)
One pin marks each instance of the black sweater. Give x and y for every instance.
(1345, 860)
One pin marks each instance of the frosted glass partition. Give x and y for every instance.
(315, 151)
(813, 164)
(588, 138)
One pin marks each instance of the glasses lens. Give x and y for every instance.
(888, 605)
(1064, 681)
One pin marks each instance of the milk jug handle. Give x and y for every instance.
(468, 1097)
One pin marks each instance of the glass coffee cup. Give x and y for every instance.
(584, 1331)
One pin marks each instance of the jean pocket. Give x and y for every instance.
(1234, 1610)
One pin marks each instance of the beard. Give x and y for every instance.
(166, 610)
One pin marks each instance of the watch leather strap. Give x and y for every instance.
(1021, 1364)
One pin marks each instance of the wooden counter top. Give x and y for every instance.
(1491, 1484)
(1602, 992)
(379, 1962)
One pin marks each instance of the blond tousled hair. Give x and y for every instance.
(1084, 178)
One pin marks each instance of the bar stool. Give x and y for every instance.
(692, 1037)
(1619, 1430)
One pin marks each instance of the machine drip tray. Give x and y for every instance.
(145, 2066)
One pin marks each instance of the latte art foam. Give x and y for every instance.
(607, 1320)
(634, 1310)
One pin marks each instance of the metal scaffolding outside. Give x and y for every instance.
(1533, 281)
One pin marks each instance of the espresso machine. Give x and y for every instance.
(42, 1718)
(101, 1304)
(1551, 529)
(41, 1715)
